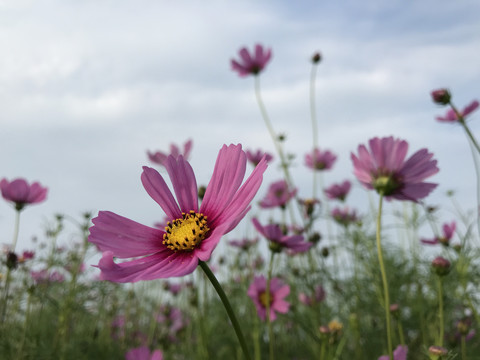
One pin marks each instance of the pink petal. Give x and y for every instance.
(227, 176)
(184, 183)
(124, 237)
(158, 190)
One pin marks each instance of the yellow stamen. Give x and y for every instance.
(263, 299)
(186, 233)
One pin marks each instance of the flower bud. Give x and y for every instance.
(201, 192)
(12, 260)
(436, 352)
(316, 58)
(315, 237)
(441, 96)
(441, 266)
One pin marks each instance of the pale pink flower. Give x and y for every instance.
(317, 297)
(448, 232)
(383, 167)
(278, 292)
(193, 232)
(278, 195)
(143, 353)
(400, 353)
(251, 63)
(345, 216)
(320, 160)
(244, 243)
(160, 158)
(255, 157)
(21, 193)
(451, 117)
(338, 191)
(279, 241)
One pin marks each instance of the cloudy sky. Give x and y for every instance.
(87, 87)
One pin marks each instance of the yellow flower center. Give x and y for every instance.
(385, 185)
(263, 299)
(186, 233)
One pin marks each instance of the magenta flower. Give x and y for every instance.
(20, 193)
(43, 276)
(143, 353)
(278, 195)
(193, 232)
(338, 191)
(255, 157)
(400, 353)
(244, 243)
(448, 232)
(251, 63)
(279, 241)
(161, 158)
(278, 291)
(345, 216)
(320, 160)
(383, 168)
(452, 117)
(317, 297)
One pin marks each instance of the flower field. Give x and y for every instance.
(239, 268)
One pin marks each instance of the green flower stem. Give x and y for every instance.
(268, 294)
(228, 308)
(276, 142)
(464, 347)
(16, 230)
(440, 311)
(384, 278)
(313, 114)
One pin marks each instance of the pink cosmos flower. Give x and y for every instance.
(21, 193)
(251, 63)
(278, 291)
(400, 353)
(43, 276)
(345, 216)
(448, 232)
(143, 353)
(161, 158)
(451, 117)
(338, 191)
(383, 168)
(193, 232)
(278, 195)
(255, 157)
(317, 297)
(244, 243)
(279, 241)
(320, 160)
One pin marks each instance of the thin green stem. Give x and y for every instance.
(440, 311)
(269, 321)
(313, 114)
(16, 230)
(464, 347)
(228, 308)
(384, 278)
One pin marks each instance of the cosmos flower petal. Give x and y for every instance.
(416, 191)
(158, 190)
(449, 230)
(419, 166)
(429, 242)
(237, 207)
(160, 265)
(227, 177)
(124, 237)
(208, 245)
(184, 183)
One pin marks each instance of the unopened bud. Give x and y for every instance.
(201, 192)
(436, 352)
(441, 96)
(441, 266)
(316, 58)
